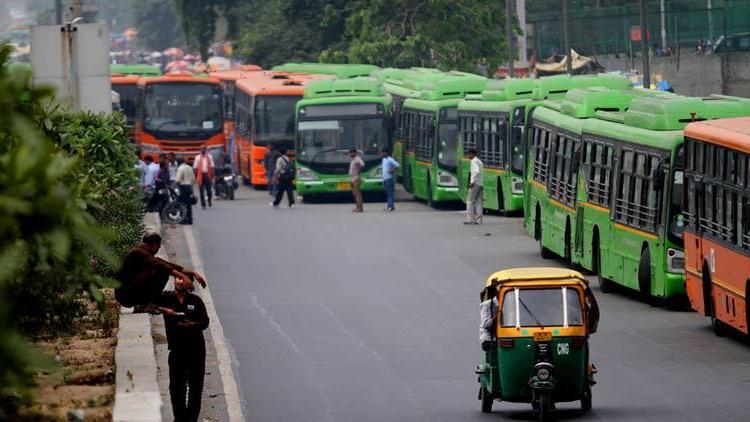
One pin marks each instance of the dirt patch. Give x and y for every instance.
(82, 384)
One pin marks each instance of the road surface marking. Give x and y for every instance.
(232, 395)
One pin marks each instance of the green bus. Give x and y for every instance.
(605, 183)
(333, 117)
(341, 71)
(393, 81)
(135, 69)
(493, 124)
(429, 127)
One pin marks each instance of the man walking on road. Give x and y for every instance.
(269, 160)
(143, 276)
(389, 166)
(283, 178)
(474, 204)
(185, 179)
(355, 178)
(185, 318)
(204, 172)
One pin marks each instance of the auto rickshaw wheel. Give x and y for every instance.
(546, 407)
(487, 400)
(586, 399)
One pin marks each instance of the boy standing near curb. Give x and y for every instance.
(185, 318)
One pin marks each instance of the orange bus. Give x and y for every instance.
(264, 115)
(179, 113)
(717, 220)
(126, 86)
(228, 80)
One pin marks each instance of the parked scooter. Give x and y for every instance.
(226, 183)
(164, 200)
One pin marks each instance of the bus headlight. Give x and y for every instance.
(446, 179)
(516, 185)
(675, 261)
(305, 175)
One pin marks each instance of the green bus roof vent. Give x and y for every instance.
(511, 89)
(665, 112)
(585, 103)
(725, 106)
(452, 87)
(557, 86)
(364, 87)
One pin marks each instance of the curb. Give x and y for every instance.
(137, 395)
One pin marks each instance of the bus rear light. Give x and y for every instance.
(505, 342)
(516, 185)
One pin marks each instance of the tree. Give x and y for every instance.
(442, 33)
(157, 24)
(278, 31)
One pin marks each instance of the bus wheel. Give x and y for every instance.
(500, 198)
(644, 275)
(604, 285)
(429, 200)
(720, 329)
(568, 258)
(544, 252)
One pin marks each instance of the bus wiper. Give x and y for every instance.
(531, 314)
(325, 151)
(158, 128)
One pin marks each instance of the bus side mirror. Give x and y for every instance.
(658, 177)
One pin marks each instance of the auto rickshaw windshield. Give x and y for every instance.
(541, 308)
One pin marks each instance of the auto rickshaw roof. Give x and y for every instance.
(535, 274)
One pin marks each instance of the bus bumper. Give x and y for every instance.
(674, 284)
(515, 203)
(337, 186)
(446, 194)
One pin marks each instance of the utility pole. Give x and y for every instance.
(522, 53)
(510, 35)
(58, 12)
(644, 45)
(663, 26)
(566, 30)
(710, 7)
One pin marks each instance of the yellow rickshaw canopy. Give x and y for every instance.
(536, 274)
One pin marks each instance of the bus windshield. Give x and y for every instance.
(329, 141)
(128, 100)
(676, 220)
(516, 142)
(448, 138)
(541, 308)
(177, 108)
(274, 118)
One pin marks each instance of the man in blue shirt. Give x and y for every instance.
(389, 167)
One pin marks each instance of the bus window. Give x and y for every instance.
(676, 220)
(274, 118)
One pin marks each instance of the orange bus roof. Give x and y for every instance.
(234, 75)
(731, 133)
(118, 79)
(177, 77)
(274, 83)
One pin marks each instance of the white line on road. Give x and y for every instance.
(232, 395)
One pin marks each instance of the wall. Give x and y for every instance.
(696, 75)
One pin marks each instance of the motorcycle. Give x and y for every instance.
(164, 200)
(226, 183)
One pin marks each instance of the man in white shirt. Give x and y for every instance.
(152, 172)
(185, 179)
(474, 204)
(204, 175)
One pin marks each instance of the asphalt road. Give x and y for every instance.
(334, 316)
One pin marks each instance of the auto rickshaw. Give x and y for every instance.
(540, 353)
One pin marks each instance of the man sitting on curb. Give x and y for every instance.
(143, 276)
